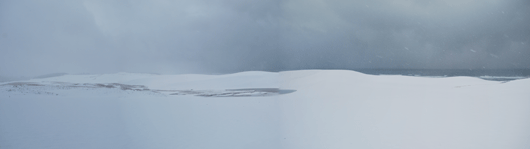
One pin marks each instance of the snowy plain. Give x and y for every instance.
(324, 109)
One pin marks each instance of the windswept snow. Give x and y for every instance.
(305, 109)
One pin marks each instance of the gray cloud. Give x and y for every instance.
(411, 34)
(165, 36)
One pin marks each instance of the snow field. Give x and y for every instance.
(329, 109)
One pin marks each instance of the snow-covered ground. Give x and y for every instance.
(294, 109)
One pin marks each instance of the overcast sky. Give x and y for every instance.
(218, 36)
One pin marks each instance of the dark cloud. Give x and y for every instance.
(410, 34)
(206, 36)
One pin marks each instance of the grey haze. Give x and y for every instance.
(218, 36)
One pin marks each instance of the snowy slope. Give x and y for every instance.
(329, 109)
(345, 109)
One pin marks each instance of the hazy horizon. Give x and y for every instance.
(371, 71)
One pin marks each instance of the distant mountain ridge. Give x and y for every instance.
(50, 75)
(7, 79)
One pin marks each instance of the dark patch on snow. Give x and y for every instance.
(16, 84)
(246, 92)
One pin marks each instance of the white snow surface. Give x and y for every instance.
(330, 109)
